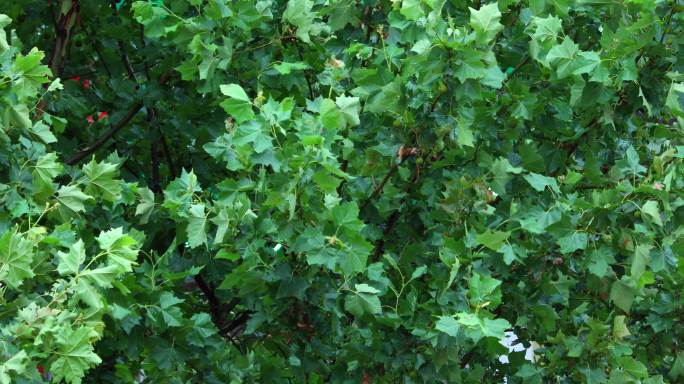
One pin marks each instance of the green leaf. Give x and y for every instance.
(197, 226)
(501, 170)
(465, 136)
(485, 21)
(121, 249)
(484, 289)
(227, 255)
(492, 239)
(101, 180)
(540, 182)
(420, 271)
(563, 56)
(42, 132)
(573, 242)
(222, 222)
(620, 330)
(146, 205)
(72, 198)
(286, 68)
(448, 325)
(677, 368)
(16, 363)
(640, 260)
(547, 28)
(234, 91)
(238, 104)
(75, 354)
(650, 208)
(69, 263)
(412, 9)
(622, 295)
(360, 302)
(202, 330)
(299, 13)
(495, 327)
(16, 257)
(355, 255)
(46, 169)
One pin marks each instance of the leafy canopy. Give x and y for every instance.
(308, 191)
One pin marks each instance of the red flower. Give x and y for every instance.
(76, 78)
(86, 84)
(89, 119)
(41, 369)
(102, 115)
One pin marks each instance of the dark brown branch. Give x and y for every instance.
(167, 154)
(93, 42)
(63, 31)
(214, 304)
(389, 226)
(154, 157)
(126, 61)
(306, 73)
(384, 181)
(132, 111)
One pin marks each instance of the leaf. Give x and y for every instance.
(121, 249)
(495, 327)
(650, 208)
(484, 289)
(46, 169)
(640, 260)
(197, 226)
(42, 132)
(620, 330)
(622, 295)
(234, 91)
(238, 104)
(360, 303)
(16, 363)
(483, 327)
(563, 56)
(485, 21)
(492, 239)
(75, 354)
(72, 198)
(69, 263)
(540, 182)
(587, 62)
(101, 180)
(448, 325)
(146, 205)
(420, 271)
(365, 288)
(355, 256)
(16, 257)
(412, 9)
(547, 28)
(286, 68)
(501, 170)
(465, 136)
(202, 330)
(222, 222)
(299, 13)
(573, 242)
(350, 108)
(677, 368)
(535, 219)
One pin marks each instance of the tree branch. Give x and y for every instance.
(132, 111)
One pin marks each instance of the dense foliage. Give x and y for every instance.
(356, 191)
